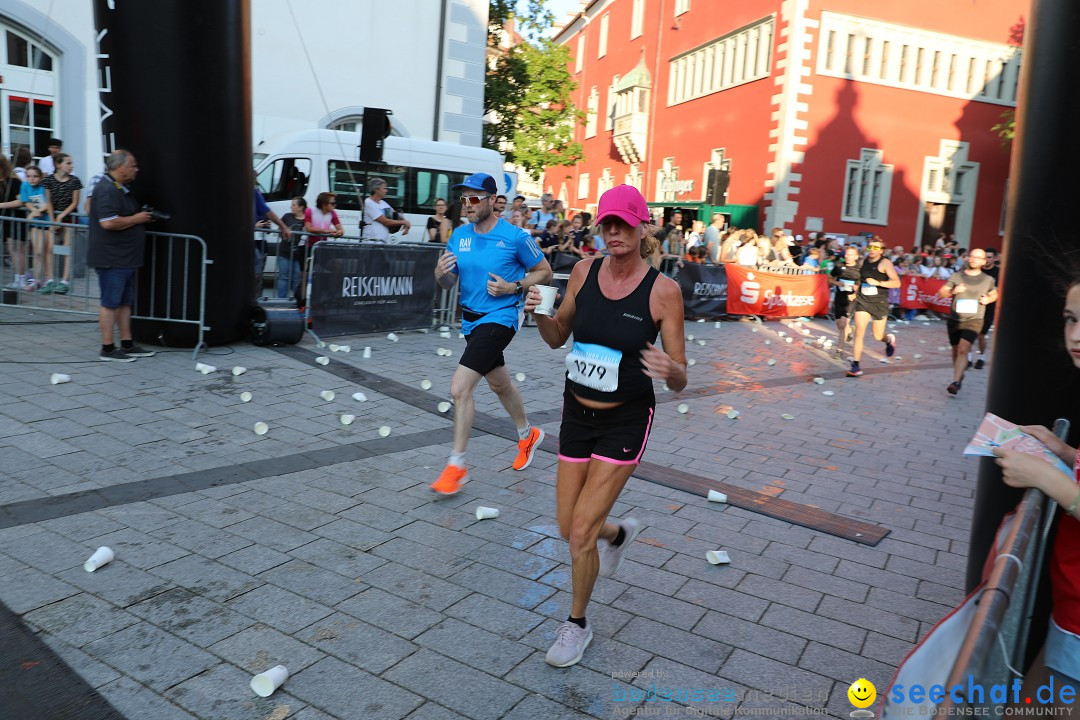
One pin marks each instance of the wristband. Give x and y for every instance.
(1071, 510)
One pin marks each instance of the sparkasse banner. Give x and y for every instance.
(752, 292)
(363, 288)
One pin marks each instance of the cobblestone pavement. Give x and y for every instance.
(319, 545)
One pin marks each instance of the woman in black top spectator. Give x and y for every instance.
(291, 251)
(63, 189)
(15, 234)
(438, 226)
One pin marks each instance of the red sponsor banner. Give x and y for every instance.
(918, 293)
(752, 292)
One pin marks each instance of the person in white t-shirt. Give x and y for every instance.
(379, 218)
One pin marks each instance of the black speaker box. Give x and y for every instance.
(276, 321)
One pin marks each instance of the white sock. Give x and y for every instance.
(523, 432)
(457, 460)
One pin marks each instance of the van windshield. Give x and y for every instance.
(257, 158)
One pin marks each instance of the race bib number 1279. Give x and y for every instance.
(594, 366)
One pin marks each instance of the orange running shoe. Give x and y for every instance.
(527, 448)
(451, 480)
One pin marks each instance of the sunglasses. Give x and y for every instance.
(473, 199)
(875, 247)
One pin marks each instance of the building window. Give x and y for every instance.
(681, 6)
(637, 19)
(23, 53)
(867, 184)
(579, 60)
(917, 59)
(591, 113)
(735, 59)
(583, 186)
(602, 51)
(609, 116)
(30, 124)
(634, 176)
(604, 183)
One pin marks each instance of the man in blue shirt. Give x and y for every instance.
(496, 263)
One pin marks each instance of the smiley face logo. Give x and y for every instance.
(862, 693)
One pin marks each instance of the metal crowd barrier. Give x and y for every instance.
(177, 290)
(788, 269)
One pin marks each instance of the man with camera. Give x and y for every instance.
(379, 218)
(117, 243)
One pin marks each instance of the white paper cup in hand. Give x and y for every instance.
(486, 513)
(58, 378)
(717, 557)
(265, 683)
(101, 556)
(547, 299)
(717, 496)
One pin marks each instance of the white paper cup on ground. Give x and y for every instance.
(347, 419)
(547, 300)
(334, 348)
(445, 334)
(327, 395)
(443, 406)
(770, 362)
(425, 384)
(691, 362)
(392, 337)
(520, 377)
(204, 368)
(58, 378)
(717, 557)
(322, 360)
(101, 556)
(367, 352)
(345, 348)
(261, 428)
(239, 370)
(717, 496)
(683, 408)
(486, 513)
(265, 683)
(732, 414)
(359, 397)
(245, 396)
(690, 338)
(384, 431)
(819, 381)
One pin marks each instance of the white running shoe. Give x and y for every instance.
(611, 557)
(570, 643)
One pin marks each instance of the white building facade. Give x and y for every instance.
(315, 63)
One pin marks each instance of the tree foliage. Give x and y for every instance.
(1006, 129)
(529, 114)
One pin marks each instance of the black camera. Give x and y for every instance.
(156, 214)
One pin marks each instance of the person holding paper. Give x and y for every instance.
(971, 291)
(1060, 657)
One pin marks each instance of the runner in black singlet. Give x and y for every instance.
(876, 276)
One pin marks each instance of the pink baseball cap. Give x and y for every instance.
(625, 203)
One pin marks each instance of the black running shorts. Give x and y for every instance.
(616, 435)
(484, 347)
(963, 330)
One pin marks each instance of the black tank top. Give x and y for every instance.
(625, 325)
(870, 270)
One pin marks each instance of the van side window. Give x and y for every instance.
(347, 181)
(284, 179)
(429, 185)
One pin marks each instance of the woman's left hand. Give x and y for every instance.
(657, 363)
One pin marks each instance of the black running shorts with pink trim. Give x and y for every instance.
(617, 435)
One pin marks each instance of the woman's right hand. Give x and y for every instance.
(1057, 446)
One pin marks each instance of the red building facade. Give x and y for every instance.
(839, 116)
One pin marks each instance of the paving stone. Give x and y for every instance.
(678, 645)
(577, 688)
(457, 686)
(390, 612)
(207, 578)
(29, 589)
(353, 534)
(503, 585)
(814, 627)
(734, 602)
(510, 536)
(416, 586)
(272, 534)
(677, 613)
(346, 692)
(828, 584)
(604, 591)
(215, 513)
(718, 696)
(376, 517)
(119, 584)
(49, 552)
(887, 621)
(190, 616)
(260, 647)
(254, 559)
(433, 711)
(278, 608)
(537, 707)
(518, 562)
(80, 619)
(778, 591)
(83, 526)
(839, 665)
(356, 642)
(198, 537)
(755, 671)
(151, 656)
(133, 547)
(438, 537)
(342, 559)
(322, 586)
(474, 646)
(136, 701)
(93, 671)
(223, 693)
(439, 563)
(494, 615)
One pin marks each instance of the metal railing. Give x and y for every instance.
(1006, 604)
(174, 269)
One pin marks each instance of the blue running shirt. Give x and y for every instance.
(507, 251)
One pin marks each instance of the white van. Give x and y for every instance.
(309, 162)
